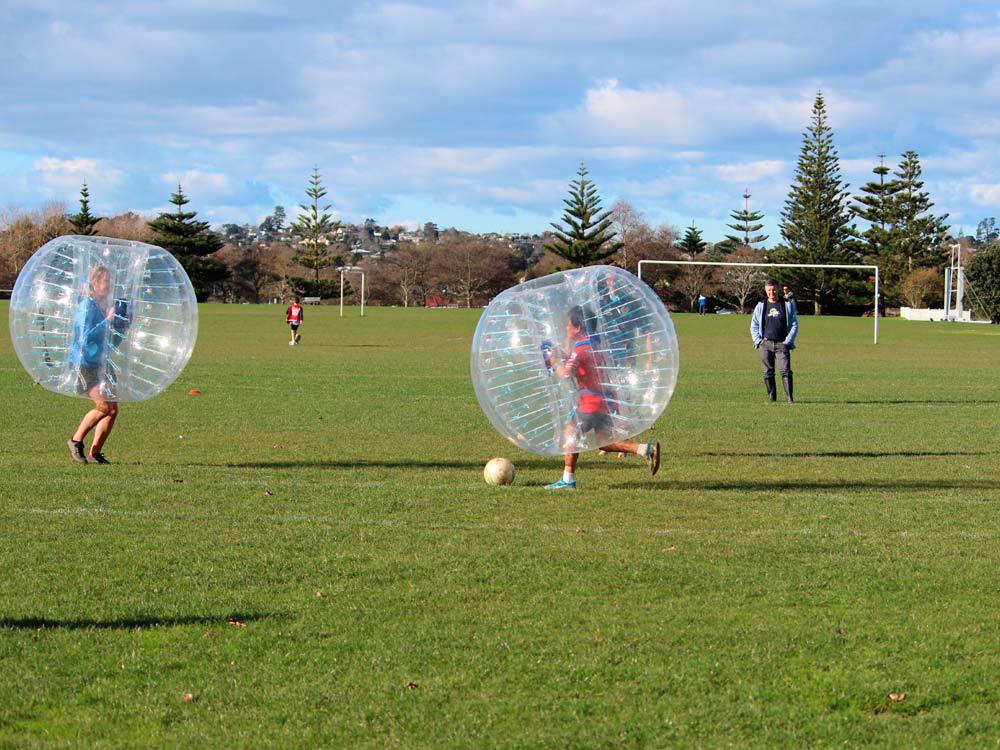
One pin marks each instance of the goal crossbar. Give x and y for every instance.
(843, 266)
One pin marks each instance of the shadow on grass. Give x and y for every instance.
(876, 401)
(362, 463)
(141, 622)
(839, 454)
(805, 486)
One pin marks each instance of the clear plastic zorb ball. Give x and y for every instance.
(575, 360)
(103, 318)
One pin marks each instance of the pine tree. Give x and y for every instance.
(917, 235)
(815, 221)
(588, 235)
(876, 206)
(746, 223)
(84, 221)
(312, 227)
(191, 242)
(692, 243)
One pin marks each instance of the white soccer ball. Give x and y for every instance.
(498, 471)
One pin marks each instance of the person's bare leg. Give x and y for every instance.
(104, 427)
(92, 417)
(570, 461)
(89, 421)
(649, 451)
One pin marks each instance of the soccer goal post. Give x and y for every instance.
(351, 270)
(772, 265)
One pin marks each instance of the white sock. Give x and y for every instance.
(568, 476)
(644, 449)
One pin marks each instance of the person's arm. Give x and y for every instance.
(793, 326)
(755, 326)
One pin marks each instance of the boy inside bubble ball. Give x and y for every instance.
(594, 403)
(93, 325)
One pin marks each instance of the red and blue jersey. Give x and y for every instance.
(582, 364)
(294, 314)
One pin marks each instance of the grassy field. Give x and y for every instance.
(308, 550)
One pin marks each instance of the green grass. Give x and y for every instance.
(788, 569)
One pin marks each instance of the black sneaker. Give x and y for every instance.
(76, 451)
(653, 458)
(98, 458)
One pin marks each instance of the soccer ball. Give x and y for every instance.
(498, 471)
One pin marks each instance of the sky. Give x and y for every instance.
(476, 113)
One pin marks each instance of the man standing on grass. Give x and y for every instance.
(773, 328)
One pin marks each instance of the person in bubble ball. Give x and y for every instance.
(592, 412)
(88, 351)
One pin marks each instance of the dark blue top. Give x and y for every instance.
(775, 322)
(89, 340)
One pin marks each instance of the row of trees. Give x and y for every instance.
(819, 225)
(899, 233)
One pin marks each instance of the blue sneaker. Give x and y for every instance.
(561, 485)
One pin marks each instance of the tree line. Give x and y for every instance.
(889, 222)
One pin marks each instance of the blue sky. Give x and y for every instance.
(476, 113)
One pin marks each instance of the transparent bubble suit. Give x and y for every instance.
(634, 346)
(123, 333)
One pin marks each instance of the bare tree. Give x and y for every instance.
(631, 230)
(740, 282)
(126, 226)
(922, 287)
(401, 277)
(691, 282)
(23, 232)
(472, 270)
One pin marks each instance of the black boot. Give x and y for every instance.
(786, 380)
(772, 389)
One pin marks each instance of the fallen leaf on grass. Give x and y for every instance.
(320, 594)
(190, 698)
(823, 517)
(268, 493)
(178, 481)
(156, 591)
(411, 685)
(194, 392)
(897, 697)
(671, 548)
(276, 446)
(180, 437)
(235, 623)
(210, 633)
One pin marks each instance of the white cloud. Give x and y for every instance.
(195, 182)
(750, 172)
(69, 174)
(985, 194)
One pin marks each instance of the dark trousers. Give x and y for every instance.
(772, 352)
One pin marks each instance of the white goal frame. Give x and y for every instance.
(772, 265)
(342, 272)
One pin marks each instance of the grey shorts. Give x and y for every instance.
(87, 378)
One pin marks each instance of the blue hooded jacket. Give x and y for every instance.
(89, 339)
(791, 315)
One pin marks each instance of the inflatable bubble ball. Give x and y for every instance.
(103, 318)
(575, 360)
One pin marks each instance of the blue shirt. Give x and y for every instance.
(89, 335)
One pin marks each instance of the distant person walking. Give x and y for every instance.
(787, 291)
(773, 328)
(294, 316)
(702, 304)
